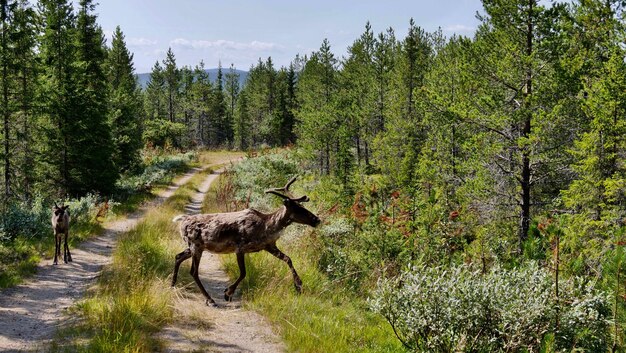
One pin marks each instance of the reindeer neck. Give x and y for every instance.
(278, 220)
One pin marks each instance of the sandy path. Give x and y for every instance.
(228, 328)
(30, 313)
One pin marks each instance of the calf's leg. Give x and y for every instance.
(57, 248)
(228, 292)
(67, 257)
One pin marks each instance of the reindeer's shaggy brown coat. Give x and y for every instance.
(240, 232)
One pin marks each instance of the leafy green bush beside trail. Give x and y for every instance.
(159, 169)
(459, 309)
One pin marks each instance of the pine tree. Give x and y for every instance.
(124, 104)
(511, 55)
(317, 105)
(384, 61)
(403, 132)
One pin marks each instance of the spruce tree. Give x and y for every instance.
(171, 77)
(5, 80)
(202, 97)
(155, 94)
(93, 147)
(59, 97)
(232, 88)
(242, 126)
(124, 104)
(218, 111)
(25, 70)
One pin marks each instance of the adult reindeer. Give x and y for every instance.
(241, 232)
(61, 227)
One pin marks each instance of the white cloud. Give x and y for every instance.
(140, 42)
(459, 28)
(183, 43)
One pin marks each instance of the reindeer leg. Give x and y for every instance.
(180, 258)
(195, 265)
(228, 292)
(273, 249)
(57, 250)
(67, 257)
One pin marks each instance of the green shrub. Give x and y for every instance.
(20, 219)
(459, 309)
(258, 174)
(159, 169)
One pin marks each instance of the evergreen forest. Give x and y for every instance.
(473, 189)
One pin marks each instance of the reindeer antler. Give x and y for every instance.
(285, 189)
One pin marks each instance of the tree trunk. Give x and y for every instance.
(5, 105)
(526, 130)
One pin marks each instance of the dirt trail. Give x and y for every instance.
(228, 328)
(30, 313)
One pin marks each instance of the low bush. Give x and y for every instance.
(459, 309)
(158, 169)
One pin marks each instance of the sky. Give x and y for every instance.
(240, 32)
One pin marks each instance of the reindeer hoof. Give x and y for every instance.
(228, 297)
(211, 302)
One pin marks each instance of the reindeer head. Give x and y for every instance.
(296, 212)
(58, 213)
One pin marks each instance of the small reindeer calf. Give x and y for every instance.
(61, 226)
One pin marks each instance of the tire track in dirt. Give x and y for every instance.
(228, 328)
(30, 313)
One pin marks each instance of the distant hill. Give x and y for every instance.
(243, 75)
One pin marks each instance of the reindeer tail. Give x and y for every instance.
(179, 218)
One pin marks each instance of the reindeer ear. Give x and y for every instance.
(66, 207)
